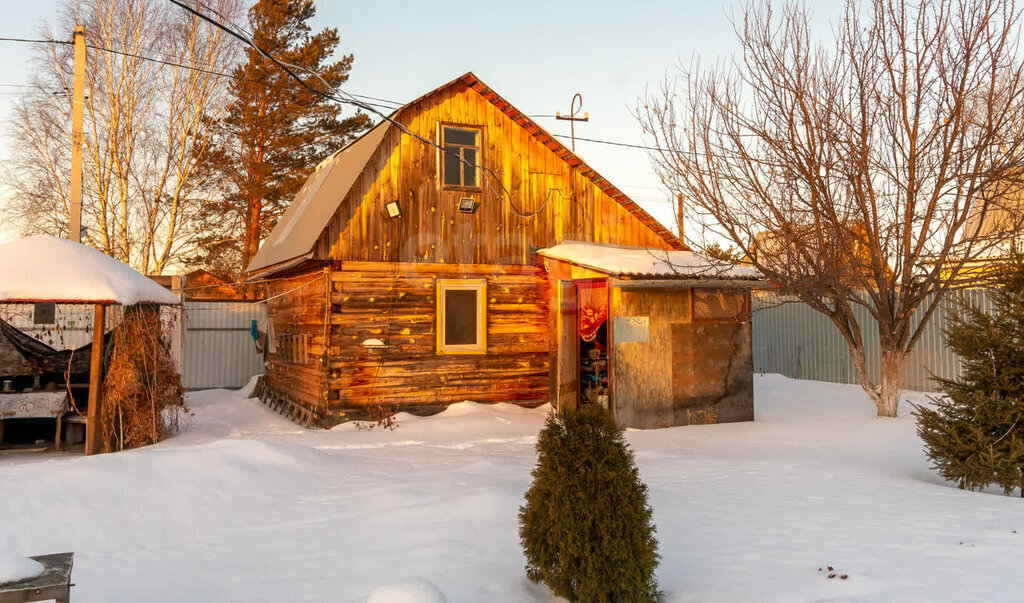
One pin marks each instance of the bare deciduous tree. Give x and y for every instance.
(153, 88)
(857, 172)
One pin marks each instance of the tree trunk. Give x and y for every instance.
(891, 384)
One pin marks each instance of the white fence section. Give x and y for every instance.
(792, 339)
(219, 350)
(72, 327)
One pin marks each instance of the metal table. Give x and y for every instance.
(54, 583)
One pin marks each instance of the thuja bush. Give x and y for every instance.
(974, 435)
(586, 527)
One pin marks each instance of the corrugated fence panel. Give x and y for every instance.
(219, 350)
(792, 339)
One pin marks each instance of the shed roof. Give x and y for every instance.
(647, 263)
(45, 268)
(296, 233)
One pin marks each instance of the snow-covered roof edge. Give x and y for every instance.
(645, 262)
(45, 268)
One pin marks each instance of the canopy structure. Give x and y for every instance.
(45, 268)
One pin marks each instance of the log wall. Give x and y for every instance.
(396, 303)
(298, 307)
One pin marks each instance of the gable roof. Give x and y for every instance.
(295, 235)
(300, 226)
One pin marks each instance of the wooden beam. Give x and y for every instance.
(93, 431)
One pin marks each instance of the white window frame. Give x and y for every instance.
(478, 285)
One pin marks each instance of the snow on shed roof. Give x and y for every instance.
(45, 268)
(644, 262)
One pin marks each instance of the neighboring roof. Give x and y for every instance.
(302, 223)
(307, 216)
(45, 268)
(647, 263)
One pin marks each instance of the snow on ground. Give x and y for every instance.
(246, 506)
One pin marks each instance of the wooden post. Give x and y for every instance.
(93, 424)
(77, 121)
(680, 215)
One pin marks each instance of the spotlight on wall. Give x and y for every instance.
(394, 209)
(468, 205)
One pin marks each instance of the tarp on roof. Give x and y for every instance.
(45, 268)
(644, 262)
(300, 226)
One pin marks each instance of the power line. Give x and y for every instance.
(361, 104)
(249, 42)
(35, 41)
(180, 65)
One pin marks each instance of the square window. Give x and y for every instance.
(461, 316)
(461, 152)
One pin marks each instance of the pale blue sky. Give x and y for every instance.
(536, 54)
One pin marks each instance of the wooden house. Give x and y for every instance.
(460, 252)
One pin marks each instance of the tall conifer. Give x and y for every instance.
(276, 131)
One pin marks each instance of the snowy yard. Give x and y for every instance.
(246, 506)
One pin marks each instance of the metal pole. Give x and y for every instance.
(77, 119)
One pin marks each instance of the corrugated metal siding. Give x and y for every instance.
(792, 339)
(219, 350)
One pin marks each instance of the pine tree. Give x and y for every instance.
(275, 131)
(586, 527)
(975, 434)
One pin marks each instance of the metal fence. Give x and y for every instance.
(792, 339)
(219, 350)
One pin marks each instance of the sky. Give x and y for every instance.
(536, 54)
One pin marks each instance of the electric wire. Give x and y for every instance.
(351, 101)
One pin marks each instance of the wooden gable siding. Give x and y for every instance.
(298, 307)
(431, 229)
(397, 303)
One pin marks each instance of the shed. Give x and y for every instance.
(661, 337)
(44, 270)
(407, 275)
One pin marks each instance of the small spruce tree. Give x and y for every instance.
(975, 434)
(586, 527)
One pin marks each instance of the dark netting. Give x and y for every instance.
(45, 358)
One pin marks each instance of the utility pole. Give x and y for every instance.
(77, 124)
(572, 119)
(680, 214)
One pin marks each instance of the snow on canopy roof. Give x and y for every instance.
(637, 262)
(45, 268)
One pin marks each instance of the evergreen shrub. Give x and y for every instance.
(975, 434)
(586, 527)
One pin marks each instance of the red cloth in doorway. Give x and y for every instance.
(592, 301)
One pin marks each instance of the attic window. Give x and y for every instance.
(460, 156)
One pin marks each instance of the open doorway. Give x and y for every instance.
(592, 333)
